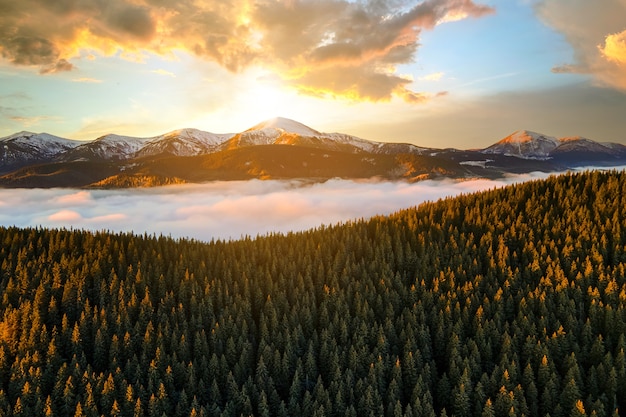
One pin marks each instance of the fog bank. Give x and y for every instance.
(226, 210)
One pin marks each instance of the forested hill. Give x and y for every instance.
(509, 302)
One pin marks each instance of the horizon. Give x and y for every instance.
(461, 73)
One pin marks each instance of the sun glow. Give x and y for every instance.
(266, 100)
(258, 97)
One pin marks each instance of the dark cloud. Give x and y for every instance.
(60, 66)
(132, 20)
(568, 69)
(48, 34)
(23, 50)
(322, 41)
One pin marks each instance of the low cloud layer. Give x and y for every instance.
(225, 210)
(597, 33)
(328, 47)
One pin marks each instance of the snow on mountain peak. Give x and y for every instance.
(285, 125)
(27, 146)
(525, 144)
(184, 142)
(196, 135)
(44, 142)
(523, 136)
(22, 134)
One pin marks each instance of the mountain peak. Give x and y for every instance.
(525, 136)
(525, 144)
(22, 134)
(285, 125)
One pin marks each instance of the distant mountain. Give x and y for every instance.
(277, 148)
(281, 131)
(570, 151)
(27, 147)
(108, 147)
(184, 142)
(525, 144)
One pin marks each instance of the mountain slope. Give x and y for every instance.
(507, 302)
(261, 161)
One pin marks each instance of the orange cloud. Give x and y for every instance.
(596, 34)
(614, 48)
(337, 46)
(349, 50)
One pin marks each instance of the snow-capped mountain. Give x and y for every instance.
(184, 142)
(24, 147)
(531, 145)
(279, 125)
(580, 144)
(525, 144)
(108, 147)
(277, 148)
(282, 131)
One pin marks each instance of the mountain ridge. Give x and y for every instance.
(539, 144)
(190, 155)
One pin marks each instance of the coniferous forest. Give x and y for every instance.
(505, 303)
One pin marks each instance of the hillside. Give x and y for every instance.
(508, 302)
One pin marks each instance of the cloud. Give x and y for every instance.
(579, 109)
(614, 48)
(65, 216)
(597, 35)
(349, 50)
(87, 80)
(568, 69)
(164, 72)
(30, 120)
(74, 199)
(435, 76)
(227, 210)
(61, 65)
(314, 46)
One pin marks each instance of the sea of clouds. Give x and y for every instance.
(226, 210)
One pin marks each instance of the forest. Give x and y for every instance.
(510, 302)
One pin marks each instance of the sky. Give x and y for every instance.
(439, 73)
(227, 210)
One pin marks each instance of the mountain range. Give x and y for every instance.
(278, 148)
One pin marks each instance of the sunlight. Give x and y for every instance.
(258, 98)
(265, 99)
